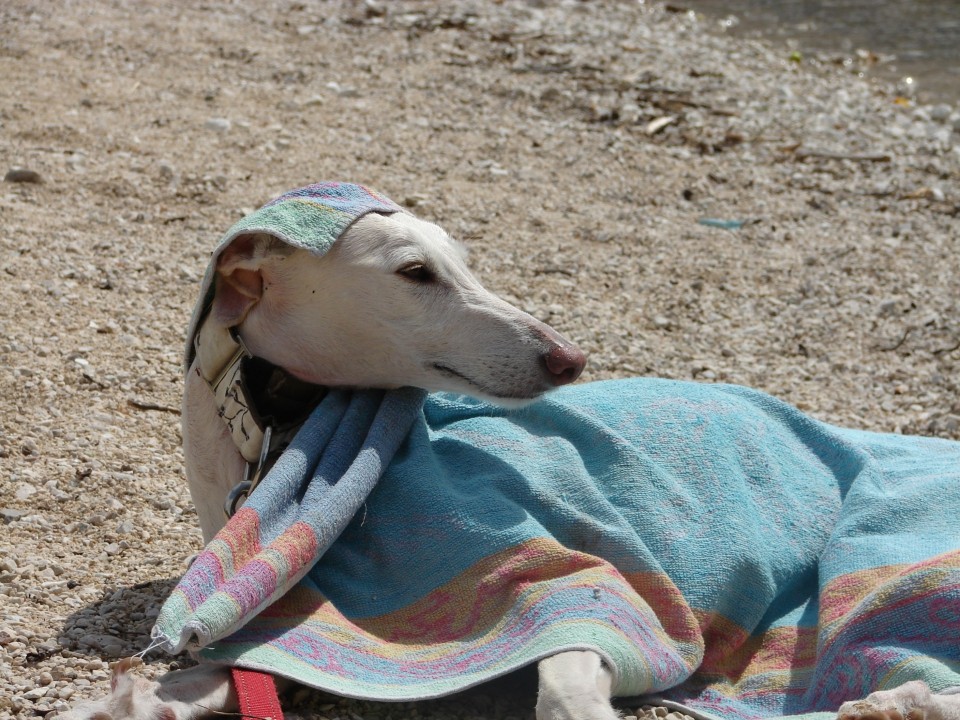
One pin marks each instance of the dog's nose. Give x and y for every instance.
(564, 364)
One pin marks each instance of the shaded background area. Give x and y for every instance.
(916, 39)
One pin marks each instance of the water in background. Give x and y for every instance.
(915, 42)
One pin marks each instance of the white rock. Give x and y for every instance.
(940, 113)
(24, 491)
(217, 124)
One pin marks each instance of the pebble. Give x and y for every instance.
(167, 170)
(25, 490)
(220, 125)
(940, 113)
(22, 175)
(10, 514)
(344, 91)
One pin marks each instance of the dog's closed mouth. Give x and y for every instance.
(450, 372)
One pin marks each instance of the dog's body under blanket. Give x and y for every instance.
(716, 546)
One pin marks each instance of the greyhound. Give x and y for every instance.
(391, 304)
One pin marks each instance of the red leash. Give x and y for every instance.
(257, 694)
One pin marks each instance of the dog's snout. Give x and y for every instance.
(564, 363)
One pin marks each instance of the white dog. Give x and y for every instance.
(392, 303)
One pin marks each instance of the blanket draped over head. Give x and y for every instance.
(717, 547)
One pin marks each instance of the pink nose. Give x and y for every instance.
(564, 363)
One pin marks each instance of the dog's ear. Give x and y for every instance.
(239, 282)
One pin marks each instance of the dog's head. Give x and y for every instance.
(391, 303)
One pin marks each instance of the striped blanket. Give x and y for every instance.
(717, 547)
(720, 549)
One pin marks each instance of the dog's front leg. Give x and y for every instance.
(912, 700)
(197, 692)
(574, 685)
(190, 694)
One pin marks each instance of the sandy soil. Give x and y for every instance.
(575, 148)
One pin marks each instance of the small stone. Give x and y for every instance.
(25, 490)
(22, 175)
(6, 636)
(167, 171)
(415, 200)
(344, 91)
(112, 549)
(659, 321)
(9, 514)
(96, 641)
(45, 678)
(217, 124)
(126, 527)
(940, 113)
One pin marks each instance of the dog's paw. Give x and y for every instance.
(131, 698)
(574, 685)
(910, 701)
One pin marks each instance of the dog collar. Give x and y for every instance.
(261, 404)
(220, 354)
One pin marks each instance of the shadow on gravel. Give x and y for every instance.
(511, 697)
(118, 625)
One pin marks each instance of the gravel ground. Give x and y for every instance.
(576, 148)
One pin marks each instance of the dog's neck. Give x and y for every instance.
(261, 404)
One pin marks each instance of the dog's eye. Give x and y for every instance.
(417, 272)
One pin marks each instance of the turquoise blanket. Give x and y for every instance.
(719, 548)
